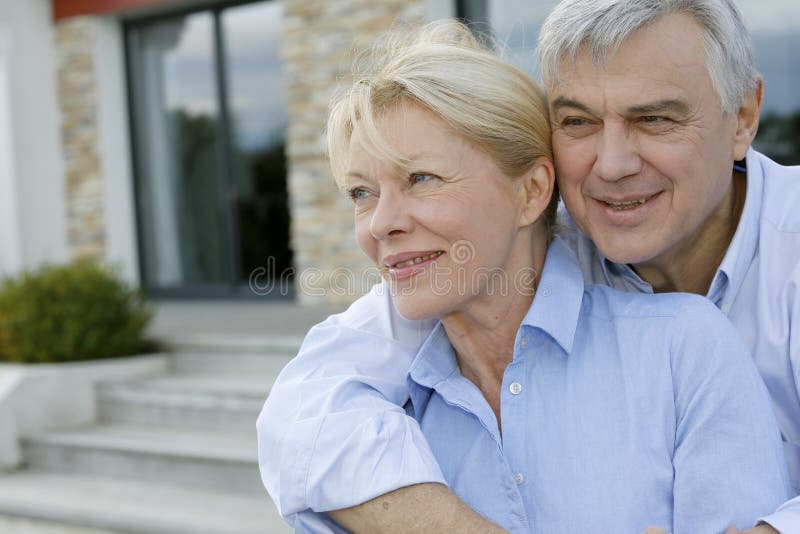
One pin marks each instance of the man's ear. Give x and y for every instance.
(537, 188)
(747, 122)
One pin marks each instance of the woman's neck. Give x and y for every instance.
(483, 334)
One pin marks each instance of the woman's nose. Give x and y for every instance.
(391, 216)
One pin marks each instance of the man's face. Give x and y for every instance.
(643, 152)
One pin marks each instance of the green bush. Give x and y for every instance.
(80, 311)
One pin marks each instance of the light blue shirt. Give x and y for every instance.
(618, 411)
(332, 433)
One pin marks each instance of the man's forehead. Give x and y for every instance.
(668, 46)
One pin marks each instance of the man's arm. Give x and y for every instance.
(728, 460)
(786, 519)
(421, 508)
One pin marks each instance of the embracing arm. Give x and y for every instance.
(729, 462)
(421, 508)
(333, 436)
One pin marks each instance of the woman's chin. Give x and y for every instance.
(418, 309)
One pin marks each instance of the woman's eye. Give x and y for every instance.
(357, 193)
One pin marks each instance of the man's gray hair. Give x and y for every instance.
(601, 26)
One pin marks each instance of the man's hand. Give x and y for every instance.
(419, 508)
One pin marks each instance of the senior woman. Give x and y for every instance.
(550, 406)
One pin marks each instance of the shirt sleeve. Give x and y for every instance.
(786, 519)
(729, 463)
(333, 433)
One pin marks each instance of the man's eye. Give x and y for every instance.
(574, 121)
(654, 119)
(420, 177)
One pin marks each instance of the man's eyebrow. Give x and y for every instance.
(660, 106)
(563, 102)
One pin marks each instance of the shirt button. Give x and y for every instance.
(519, 478)
(515, 388)
(523, 342)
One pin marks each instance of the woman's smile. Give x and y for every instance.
(408, 264)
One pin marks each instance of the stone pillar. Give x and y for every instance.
(77, 94)
(317, 45)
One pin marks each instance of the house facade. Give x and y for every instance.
(183, 141)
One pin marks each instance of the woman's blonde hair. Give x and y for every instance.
(444, 68)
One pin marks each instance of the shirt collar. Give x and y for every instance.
(743, 246)
(616, 275)
(559, 296)
(435, 361)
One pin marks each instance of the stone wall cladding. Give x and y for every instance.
(317, 48)
(77, 94)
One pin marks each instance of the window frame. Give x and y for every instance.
(234, 288)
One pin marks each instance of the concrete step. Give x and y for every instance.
(44, 502)
(231, 353)
(225, 402)
(278, 344)
(199, 361)
(208, 459)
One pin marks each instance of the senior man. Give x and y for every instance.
(654, 105)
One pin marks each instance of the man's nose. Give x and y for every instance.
(391, 215)
(617, 153)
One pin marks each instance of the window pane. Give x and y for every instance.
(775, 25)
(175, 108)
(258, 113)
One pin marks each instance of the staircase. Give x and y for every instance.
(170, 454)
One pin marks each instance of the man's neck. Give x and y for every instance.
(692, 266)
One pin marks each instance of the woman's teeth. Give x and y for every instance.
(419, 259)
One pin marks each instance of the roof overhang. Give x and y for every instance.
(63, 9)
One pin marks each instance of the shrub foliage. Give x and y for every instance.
(80, 311)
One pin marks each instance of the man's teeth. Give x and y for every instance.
(419, 259)
(626, 205)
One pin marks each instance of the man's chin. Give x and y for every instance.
(626, 254)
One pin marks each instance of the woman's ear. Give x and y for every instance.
(536, 190)
(747, 122)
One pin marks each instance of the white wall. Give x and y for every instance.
(33, 203)
(115, 147)
(31, 177)
(10, 250)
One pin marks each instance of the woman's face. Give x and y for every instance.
(446, 230)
